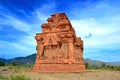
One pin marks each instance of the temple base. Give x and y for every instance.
(59, 68)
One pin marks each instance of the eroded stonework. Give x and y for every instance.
(58, 48)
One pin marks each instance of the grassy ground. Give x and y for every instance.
(88, 75)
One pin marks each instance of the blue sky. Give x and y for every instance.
(97, 22)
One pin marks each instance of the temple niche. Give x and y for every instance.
(58, 48)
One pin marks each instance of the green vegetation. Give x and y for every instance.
(16, 77)
(2, 63)
(18, 69)
(19, 77)
(3, 77)
(103, 66)
(16, 65)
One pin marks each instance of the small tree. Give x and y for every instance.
(14, 63)
(2, 63)
(86, 65)
(112, 67)
(103, 65)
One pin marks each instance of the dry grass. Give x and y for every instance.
(88, 75)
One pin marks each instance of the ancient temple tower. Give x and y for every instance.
(58, 48)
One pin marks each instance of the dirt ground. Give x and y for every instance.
(88, 75)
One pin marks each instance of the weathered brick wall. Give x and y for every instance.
(58, 48)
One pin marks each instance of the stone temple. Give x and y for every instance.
(58, 48)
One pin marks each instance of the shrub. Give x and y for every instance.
(2, 63)
(3, 77)
(15, 64)
(16, 77)
(103, 66)
(27, 66)
(86, 65)
(19, 77)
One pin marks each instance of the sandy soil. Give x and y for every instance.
(88, 75)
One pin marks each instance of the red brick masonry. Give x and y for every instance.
(59, 68)
(58, 48)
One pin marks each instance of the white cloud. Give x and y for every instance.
(28, 41)
(102, 33)
(11, 50)
(43, 12)
(105, 36)
(48, 7)
(26, 44)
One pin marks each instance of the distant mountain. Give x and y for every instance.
(113, 63)
(1, 59)
(93, 62)
(31, 59)
(99, 63)
(21, 60)
(25, 60)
